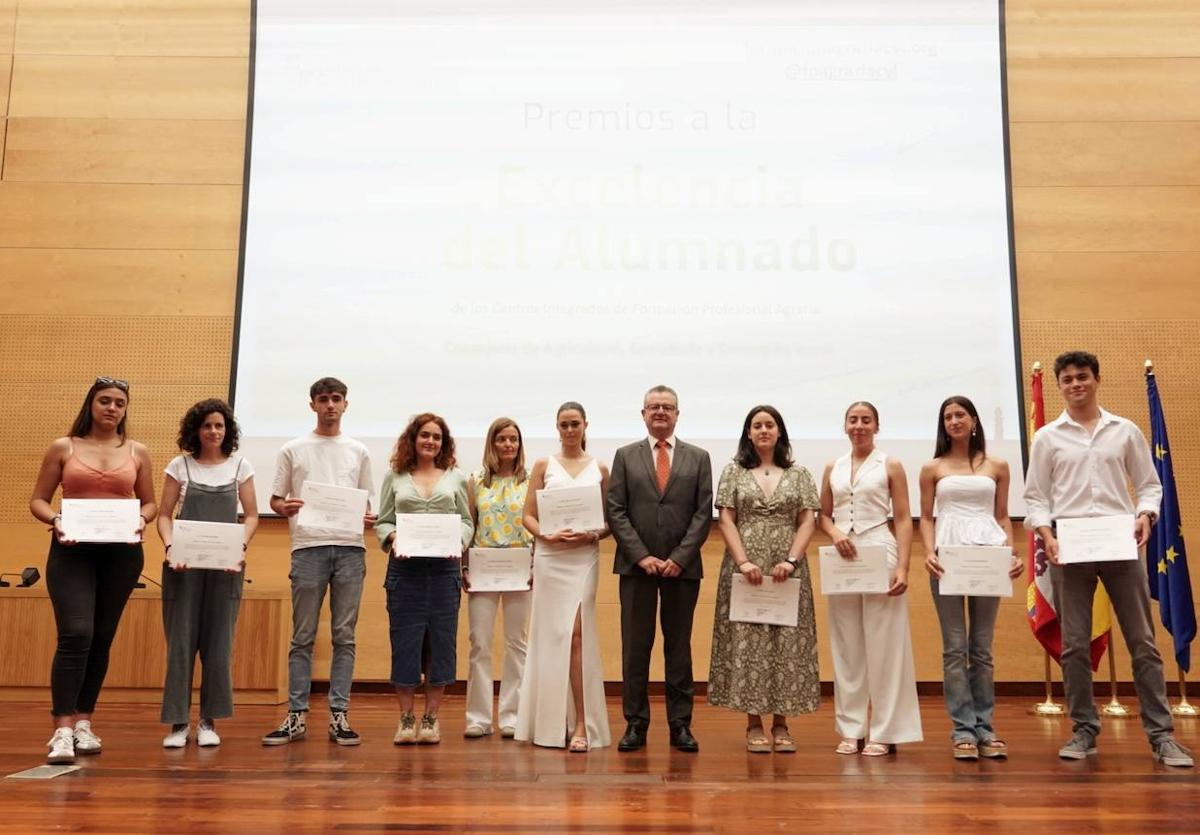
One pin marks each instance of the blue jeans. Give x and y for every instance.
(340, 569)
(967, 662)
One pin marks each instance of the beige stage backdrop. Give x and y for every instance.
(120, 202)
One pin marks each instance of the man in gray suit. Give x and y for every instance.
(660, 510)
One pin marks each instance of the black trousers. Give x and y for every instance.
(89, 584)
(640, 598)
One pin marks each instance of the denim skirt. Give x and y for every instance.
(423, 597)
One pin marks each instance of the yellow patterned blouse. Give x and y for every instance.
(499, 510)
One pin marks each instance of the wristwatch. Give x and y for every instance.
(793, 562)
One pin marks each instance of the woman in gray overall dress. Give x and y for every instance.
(200, 605)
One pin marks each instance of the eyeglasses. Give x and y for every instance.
(660, 407)
(123, 385)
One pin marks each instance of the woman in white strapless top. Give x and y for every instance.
(964, 501)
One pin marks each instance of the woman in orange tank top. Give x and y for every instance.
(89, 582)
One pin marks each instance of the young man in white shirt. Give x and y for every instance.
(322, 560)
(1079, 467)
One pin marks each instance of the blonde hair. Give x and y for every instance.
(491, 461)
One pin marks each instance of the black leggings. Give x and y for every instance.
(89, 584)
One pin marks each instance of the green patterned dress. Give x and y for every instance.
(758, 668)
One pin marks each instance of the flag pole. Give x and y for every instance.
(1184, 708)
(1114, 709)
(1048, 707)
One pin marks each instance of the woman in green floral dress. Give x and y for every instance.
(767, 516)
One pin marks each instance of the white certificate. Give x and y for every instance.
(865, 574)
(207, 544)
(769, 602)
(428, 535)
(975, 571)
(500, 569)
(574, 508)
(101, 520)
(1098, 539)
(332, 508)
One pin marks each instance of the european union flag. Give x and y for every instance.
(1166, 561)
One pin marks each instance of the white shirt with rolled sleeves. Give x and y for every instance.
(1073, 474)
(322, 459)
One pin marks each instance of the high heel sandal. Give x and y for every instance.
(784, 744)
(993, 749)
(966, 750)
(757, 741)
(849, 746)
(578, 744)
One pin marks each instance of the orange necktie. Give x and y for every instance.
(662, 466)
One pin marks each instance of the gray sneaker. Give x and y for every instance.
(1078, 747)
(1170, 752)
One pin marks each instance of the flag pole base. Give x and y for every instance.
(1184, 708)
(1115, 710)
(1047, 708)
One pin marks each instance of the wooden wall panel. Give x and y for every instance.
(126, 216)
(1103, 28)
(8, 25)
(134, 27)
(1107, 219)
(1103, 90)
(1105, 153)
(125, 151)
(6, 62)
(78, 282)
(1077, 285)
(117, 87)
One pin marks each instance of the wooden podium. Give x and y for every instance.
(138, 660)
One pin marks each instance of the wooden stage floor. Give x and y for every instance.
(494, 785)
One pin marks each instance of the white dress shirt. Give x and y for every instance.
(670, 449)
(1073, 474)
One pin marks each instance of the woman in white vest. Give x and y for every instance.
(874, 680)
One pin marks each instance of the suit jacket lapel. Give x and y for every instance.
(677, 460)
(648, 462)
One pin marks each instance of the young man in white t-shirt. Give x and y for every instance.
(322, 559)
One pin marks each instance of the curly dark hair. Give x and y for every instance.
(1079, 359)
(404, 455)
(193, 418)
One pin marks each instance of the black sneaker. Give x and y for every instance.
(340, 730)
(293, 728)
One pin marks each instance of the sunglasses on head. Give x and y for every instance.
(123, 385)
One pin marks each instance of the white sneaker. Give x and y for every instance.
(86, 742)
(177, 738)
(62, 747)
(206, 734)
(474, 731)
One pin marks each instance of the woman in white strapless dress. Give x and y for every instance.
(562, 689)
(964, 501)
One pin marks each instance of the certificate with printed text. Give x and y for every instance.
(428, 535)
(975, 571)
(777, 604)
(1096, 539)
(101, 520)
(332, 508)
(216, 545)
(575, 508)
(500, 569)
(865, 574)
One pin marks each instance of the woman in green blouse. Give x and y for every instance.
(422, 589)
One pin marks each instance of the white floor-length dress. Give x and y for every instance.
(564, 583)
